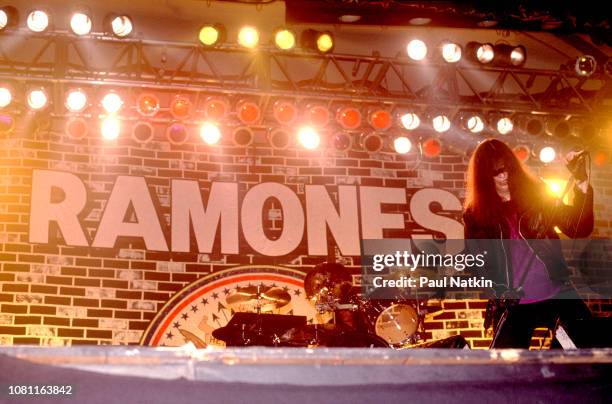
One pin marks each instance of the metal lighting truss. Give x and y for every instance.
(62, 60)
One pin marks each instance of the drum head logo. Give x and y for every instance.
(210, 302)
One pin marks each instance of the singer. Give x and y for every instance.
(509, 208)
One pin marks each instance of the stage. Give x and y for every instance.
(160, 375)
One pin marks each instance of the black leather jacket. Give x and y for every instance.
(537, 223)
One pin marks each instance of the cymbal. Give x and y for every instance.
(247, 298)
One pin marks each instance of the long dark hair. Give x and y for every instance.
(482, 201)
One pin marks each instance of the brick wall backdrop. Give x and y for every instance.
(54, 294)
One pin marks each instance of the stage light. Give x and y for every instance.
(555, 186)
(7, 123)
(451, 52)
(248, 37)
(216, 109)
(243, 136)
(547, 154)
(80, 23)
(534, 126)
(480, 52)
(112, 102)
(37, 99)
(110, 128)
(441, 123)
(147, 104)
(321, 41)
(349, 118)
(142, 132)
(380, 119)
(6, 96)
(342, 141)
(284, 39)
(416, 49)
(431, 147)
(38, 21)
(402, 145)
(121, 25)
(585, 65)
(8, 17)
(177, 133)
(180, 107)
(279, 139)
(518, 56)
(77, 128)
(557, 127)
(474, 124)
(284, 112)
(600, 158)
(410, 121)
(309, 137)
(372, 142)
(522, 153)
(210, 133)
(317, 115)
(248, 112)
(504, 125)
(212, 34)
(76, 100)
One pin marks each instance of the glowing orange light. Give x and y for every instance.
(215, 109)
(522, 153)
(380, 120)
(600, 158)
(431, 147)
(148, 104)
(180, 108)
(349, 118)
(284, 112)
(76, 128)
(248, 112)
(317, 115)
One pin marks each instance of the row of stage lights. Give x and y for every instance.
(315, 118)
(211, 35)
(285, 112)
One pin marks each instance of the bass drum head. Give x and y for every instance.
(397, 323)
(352, 339)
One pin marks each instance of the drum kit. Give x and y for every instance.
(356, 321)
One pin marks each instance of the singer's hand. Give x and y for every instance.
(570, 156)
(576, 164)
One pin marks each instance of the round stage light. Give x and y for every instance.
(325, 42)
(279, 139)
(177, 133)
(76, 100)
(416, 49)
(485, 53)
(209, 35)
(547, 154)
(522, 153)
(210, 133)
(380, 119)
(8, 17)
(451, 52)
(243, 136)
(4, 19)
(309, 137)
(216, 109)
(600, 158)
(504, 126)
(557, 127)
(342, 141)
(147, 104)
(431, 147)
(284, 112)
(37, 99)
(372, 142)
(349, 118)
(37, 21)
(534, 126)
(121, 26)
(410, 121)
(77, 128)
(142, 132)
(402, 145)
(585, 65)
(248, 112)
(518, 56)
(7, 123)
(475, 124)
(110, 128)
(317, 115)
(6, 96)
(112, 103)
(180, 107)
(284, 39)
(441, 123)
(248, 37)
(80, 23)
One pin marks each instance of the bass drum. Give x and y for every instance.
(394, 321)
